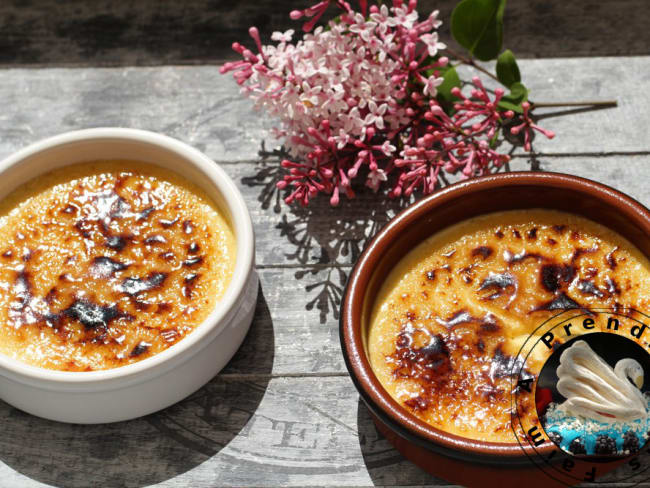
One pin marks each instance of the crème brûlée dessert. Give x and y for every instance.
(450, 319)
(106, 263)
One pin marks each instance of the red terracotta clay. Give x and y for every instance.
(457, 459)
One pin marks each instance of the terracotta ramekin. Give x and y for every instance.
(457, 459)
(165, 378)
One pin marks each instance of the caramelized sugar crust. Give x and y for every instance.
(453, 314)
(106, 263)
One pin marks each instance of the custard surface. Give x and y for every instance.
(106, 263)
(453, 314)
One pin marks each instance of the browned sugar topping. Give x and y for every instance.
(453, 314)
(108, 266)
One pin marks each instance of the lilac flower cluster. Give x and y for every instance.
(357, 99)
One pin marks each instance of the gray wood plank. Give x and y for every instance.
(286, 431)
(320, 234)
(279, 432)
(194, 104)
(103, 33)
(204, 109)
(584, 130)
(295, 329)
(283, 412)
(627, 173)
(316, 235)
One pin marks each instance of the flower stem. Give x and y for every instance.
(586, 103)
(470, 62)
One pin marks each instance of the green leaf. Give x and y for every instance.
(477, 25)
(513, 100)
(450, 80)
(507, 69)
(495, 139)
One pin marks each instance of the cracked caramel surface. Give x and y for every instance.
(452, 315)
(106, 263)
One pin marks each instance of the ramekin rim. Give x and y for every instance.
(214, 323)
(354, 353)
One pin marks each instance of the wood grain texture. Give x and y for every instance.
(104, 33)
(293, 334)
(204, 108)
(230, 433)
(277, 432)
(283, 412)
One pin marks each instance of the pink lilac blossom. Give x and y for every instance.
(357, 99)
(527, 126)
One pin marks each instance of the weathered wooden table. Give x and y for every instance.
(283, 412)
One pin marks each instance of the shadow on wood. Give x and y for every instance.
(143, 451)
(325, 241)
(570, 111)
(385, 465)
(321, 236)
(256, 354)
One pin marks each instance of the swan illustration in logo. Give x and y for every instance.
(593, 389)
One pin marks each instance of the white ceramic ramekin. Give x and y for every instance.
(165, 378)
